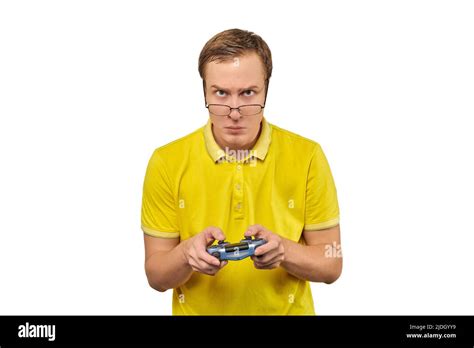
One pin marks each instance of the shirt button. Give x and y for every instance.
(238, 206)
(239, 167)
(237, 187)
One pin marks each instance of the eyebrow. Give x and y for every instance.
(240, 89)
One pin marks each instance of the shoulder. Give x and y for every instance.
(173, 155)
(287, 140)
(179, 147)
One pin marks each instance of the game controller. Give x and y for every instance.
(226, 251)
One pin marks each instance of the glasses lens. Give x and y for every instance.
(219, 110)
(249, 110)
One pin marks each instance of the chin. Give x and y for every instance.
(236, 142)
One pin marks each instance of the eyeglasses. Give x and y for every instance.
(225, 110)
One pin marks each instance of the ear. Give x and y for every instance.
(267, 82)
(204, 90)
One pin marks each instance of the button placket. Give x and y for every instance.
(237, 192)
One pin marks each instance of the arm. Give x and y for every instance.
(169, 263)
(320, 260)
(317, 261)
(165, 265)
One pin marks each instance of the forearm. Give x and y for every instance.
(168, 269)
(309, 262)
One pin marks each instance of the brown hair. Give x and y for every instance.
(235, 42)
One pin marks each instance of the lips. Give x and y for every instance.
(234, 130)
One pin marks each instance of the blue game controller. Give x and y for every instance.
(226, 251)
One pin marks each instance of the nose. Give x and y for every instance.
(234, 114)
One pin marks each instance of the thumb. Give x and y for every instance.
(214, 233)
(253, 230)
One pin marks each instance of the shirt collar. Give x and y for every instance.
(259, 150)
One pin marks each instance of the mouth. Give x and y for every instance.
(234, 129)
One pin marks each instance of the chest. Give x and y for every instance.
(233, 196)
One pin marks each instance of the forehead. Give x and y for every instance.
(244, 69)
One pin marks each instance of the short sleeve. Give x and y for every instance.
(321, 207)
(158, 214)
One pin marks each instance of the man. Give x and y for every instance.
(240, 176)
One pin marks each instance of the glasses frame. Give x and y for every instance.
(267, 83)
(237, 108)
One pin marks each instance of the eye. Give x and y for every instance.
(220, 93)
(248, 93)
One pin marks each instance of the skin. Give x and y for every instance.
(236, 82)
(170, 263)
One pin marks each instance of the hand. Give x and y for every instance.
(196, 254)
(269, 255)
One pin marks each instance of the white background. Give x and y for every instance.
(88, 89)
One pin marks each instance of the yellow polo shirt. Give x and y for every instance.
(284, 184)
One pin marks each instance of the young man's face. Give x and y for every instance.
(235, 82)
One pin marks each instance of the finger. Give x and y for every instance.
(269, 256)
(268, 266)
(276, 258)
(193, 265)
(209, 272)
(202, 267)
(207, 258)
(201, 255)
(206, 268)
(254, 230)
(214, 233)
(265, 248)
(213, 270)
